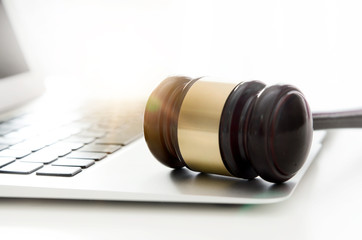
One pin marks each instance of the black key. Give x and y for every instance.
(21, 168)
(87, 155)
(59, 171)
(3, 146)
(100, 148)
(14, 153)
(68, 162)
(5, 161)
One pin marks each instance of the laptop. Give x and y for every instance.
(94, 150)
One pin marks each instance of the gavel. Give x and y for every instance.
(242, 130)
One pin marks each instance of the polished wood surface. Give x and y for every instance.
(160, 120)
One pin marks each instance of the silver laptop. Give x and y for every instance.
(95, 150)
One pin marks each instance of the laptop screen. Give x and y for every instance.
(12, 60)
(18, 82)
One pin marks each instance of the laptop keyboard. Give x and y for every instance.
(65, 144)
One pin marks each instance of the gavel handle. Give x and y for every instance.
(345, 119)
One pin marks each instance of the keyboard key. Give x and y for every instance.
(67, 131)
(68, 162)
(87, 155)
(23, 133)
(59, 171)
(14, 153)
(21, 168)
(80, 124)
(61, 133)
(30, 145)
(19, 121)
(47, 155)
(100, 148)
(71, 145)
(78, 139)
(3, 146)
(58, 150)
(13, 124)
(40, 157)
(10, 141)
(119, 139)
(5, 130)
(95, 134)
(5, 161)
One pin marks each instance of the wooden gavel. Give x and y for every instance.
(243, 130)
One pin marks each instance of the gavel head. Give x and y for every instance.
(241, 130)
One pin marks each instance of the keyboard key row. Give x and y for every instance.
(52, 146)
(60, 160)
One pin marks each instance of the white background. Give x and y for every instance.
(127, 47)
